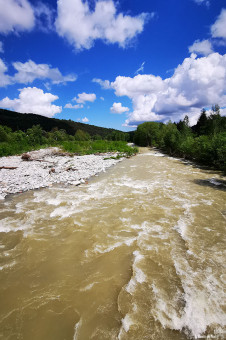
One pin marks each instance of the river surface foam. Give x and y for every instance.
(137, 253)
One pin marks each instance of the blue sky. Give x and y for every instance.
(113, 63)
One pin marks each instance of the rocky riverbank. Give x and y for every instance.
(45, 167)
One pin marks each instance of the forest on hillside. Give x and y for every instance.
(204, 143)
(24, 121)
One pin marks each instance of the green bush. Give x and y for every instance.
(99, 146)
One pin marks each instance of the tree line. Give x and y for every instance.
(204, 143)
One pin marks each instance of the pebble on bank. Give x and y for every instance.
(46, 167)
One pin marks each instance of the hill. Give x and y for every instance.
(23, 121)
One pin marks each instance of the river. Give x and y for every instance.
(137, 253)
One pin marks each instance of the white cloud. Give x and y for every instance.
(118, 108)
(4, 78)
(85, 120)
(16, 15)
(203, 47)
(19, 15)
(29, 71)
(218, 29)
(196, 83)
(105, 84)
(1, 47)
(102, 98)
(139, 85)
(85, 97)
(70, 106)
(223, 111)
(81, 26)
(32, 100)
(140, 69)
(205, 2)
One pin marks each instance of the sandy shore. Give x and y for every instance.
(46, 167)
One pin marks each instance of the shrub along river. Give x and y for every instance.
(137, 253)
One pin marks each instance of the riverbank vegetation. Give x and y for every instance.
(204, 143)
(17, 142)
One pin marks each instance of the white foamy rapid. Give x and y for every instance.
(137, 253)
(138, 274)
(78, 325)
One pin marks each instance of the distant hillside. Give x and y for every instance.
(21, 121)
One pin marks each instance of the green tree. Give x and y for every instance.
(35, 135)
(215, 120)
(3, 134)
(97, 137)
(148, 134)
(183, 127)
(172, 138)
(81, 135)
(202, 124)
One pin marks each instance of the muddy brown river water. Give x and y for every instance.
(137, 253)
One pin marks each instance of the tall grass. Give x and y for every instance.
(99, 146)
(77, 147)
(10, 149)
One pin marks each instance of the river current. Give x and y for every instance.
(137, 253)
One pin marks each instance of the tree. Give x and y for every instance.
(186, 121)
(216, 109)
(172, 138)
(3, 134)
(81, 135)
(215, 120)
(202, 124)
(148, 134)
(35, 135)
(183, 126)
(97, 137)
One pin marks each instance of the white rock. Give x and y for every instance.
(35, 174)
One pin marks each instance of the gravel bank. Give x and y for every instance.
(46, 167)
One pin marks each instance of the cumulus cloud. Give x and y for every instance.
(1, 47)
(15, 16)
(139, 85)
(223, 111)
(218, 29)
(102, 98)
(32, 100)
(19, 15)
(85, 120)
(105, 84)
(29, 71)
(203, 47)
(118, 108)
(85, 97)
(81, 26)
(70, 106)
(196, 83)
